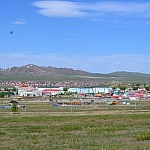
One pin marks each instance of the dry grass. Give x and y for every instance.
(45, 131)
(44, 127)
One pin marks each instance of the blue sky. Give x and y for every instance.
(92, 35)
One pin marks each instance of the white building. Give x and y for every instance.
(94, 90)
(28, 91)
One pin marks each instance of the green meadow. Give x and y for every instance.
(42, 126)
(66, 131)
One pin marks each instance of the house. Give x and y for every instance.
(52, 92)
(28, 91)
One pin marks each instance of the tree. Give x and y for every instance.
(65, 90)
(2, 94)
(14, 107)
(14, 89)
(123, 87)
(9, 93)
(147, 87)
(135, 87)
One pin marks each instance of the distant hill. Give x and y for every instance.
(34, 72)
(131, 76)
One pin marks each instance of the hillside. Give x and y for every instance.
(34, 72)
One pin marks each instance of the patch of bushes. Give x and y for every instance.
(143, 136)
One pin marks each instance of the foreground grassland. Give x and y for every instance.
(42, 126)
(104, 131)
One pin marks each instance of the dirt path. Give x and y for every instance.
(79, 113)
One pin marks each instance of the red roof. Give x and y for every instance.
(51, 90)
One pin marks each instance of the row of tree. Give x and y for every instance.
(6, 94)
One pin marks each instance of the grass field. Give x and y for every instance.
(43, 127)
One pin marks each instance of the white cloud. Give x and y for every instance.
(82, 9)
(60, 9)
(19, 22)
(99, 64)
